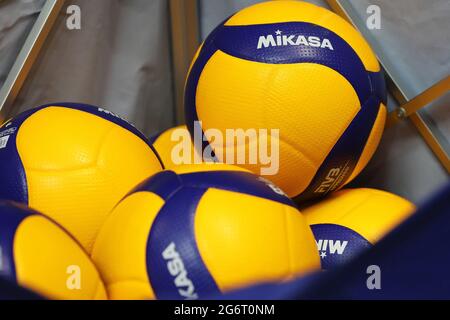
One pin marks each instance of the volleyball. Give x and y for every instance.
(304, 74)
(39, 255)
(195, 232)
(351, 221)
(74, 162)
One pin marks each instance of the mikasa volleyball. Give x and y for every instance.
(298, 68)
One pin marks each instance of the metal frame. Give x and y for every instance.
(431, 140)
(27, 56)
(422, 100)
(184, 21)
(409, 106)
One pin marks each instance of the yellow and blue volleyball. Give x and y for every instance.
(351, 221)
(174, 147)
(74, 162)
(197, 231)
(300, 69)
(39, 255)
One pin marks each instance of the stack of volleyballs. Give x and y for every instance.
(92, 209)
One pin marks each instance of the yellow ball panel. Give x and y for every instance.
(268, 89)
(120, 249)
(167, 144)
(78, 166)
(245, 240)
(43, 253)
(206, 167)
(371, 213)
(298, 11)
(372, 143)
(58, 138)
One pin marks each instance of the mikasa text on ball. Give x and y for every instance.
(39, 255)
(196, 231)
(73, 162)
(300, 69)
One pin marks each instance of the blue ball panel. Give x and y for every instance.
(378, 84)
(236, 181)
(337, 244)
(10, 218)
(13, 178)
(343, 158)
(174, 228)
(207, 51)
(164, 184)
(242, 42)
(167, 183)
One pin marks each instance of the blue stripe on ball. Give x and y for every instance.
(13, 180)
(355, 244)
(164, 184)
(378, 85)
(241, 182)
(174, 228)
(207, 51)
(11, 217)
(242, 42)
(345, 154)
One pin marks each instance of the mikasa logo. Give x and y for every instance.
(280, 40)
(331, 246)
(176, 268)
